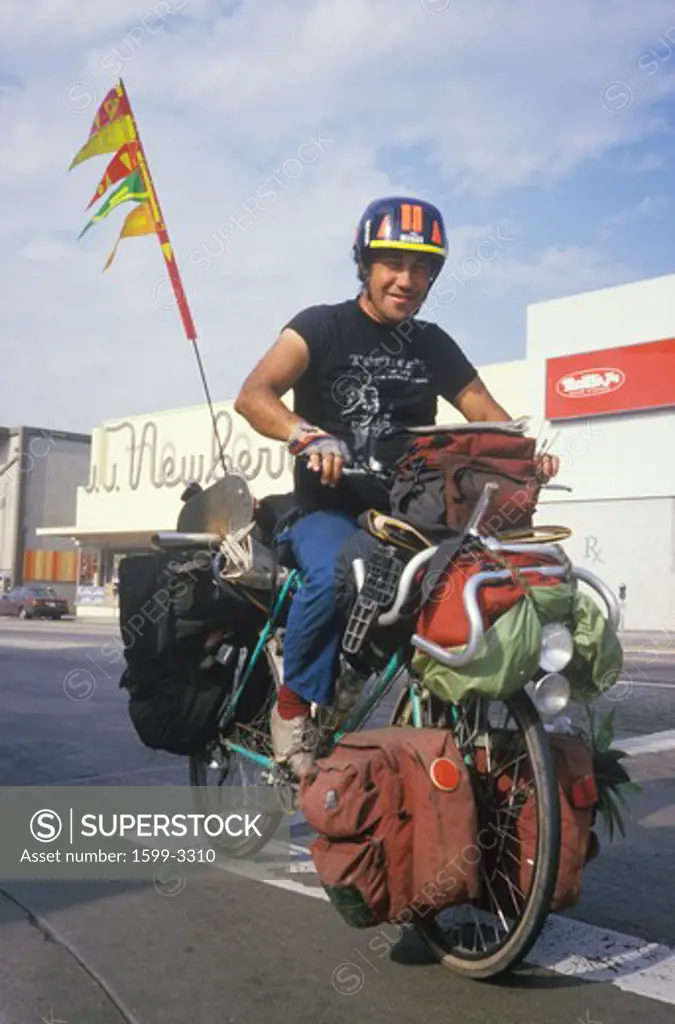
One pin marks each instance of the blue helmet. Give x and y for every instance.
(401, 222)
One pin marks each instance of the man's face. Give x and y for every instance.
(398, 283)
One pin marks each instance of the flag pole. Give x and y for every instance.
(172, 267)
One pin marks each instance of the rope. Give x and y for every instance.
(238, 552)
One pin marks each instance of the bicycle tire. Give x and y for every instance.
(537, 908)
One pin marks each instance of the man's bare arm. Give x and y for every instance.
(477, 405)
(259, 399)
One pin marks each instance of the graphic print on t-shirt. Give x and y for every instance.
(366, 413)
(367, 384)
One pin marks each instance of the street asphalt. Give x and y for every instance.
(223, 946)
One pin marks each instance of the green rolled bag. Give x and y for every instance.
(508, 656)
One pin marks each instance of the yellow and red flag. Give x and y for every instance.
(122, 164)
(139, 222)
(132, 189)
(107, 140)
(114, 131)
(114, 105)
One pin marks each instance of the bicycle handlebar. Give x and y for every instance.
(474, 615)
(473, 612)
(175, 539)
(469, 596)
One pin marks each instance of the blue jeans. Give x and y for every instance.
(315, 625)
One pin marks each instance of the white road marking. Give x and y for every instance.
(584, 951)
(642, 682)
(37, 644)
(656, 652)
(652, 743)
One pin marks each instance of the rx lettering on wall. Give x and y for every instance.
(593, 549)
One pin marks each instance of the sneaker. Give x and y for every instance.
(288, 741)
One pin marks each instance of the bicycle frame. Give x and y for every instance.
(372, 695)
(363, 708)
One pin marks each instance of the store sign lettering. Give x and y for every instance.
(161, 466)
(586, 383)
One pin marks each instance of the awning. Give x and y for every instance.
(113, 536)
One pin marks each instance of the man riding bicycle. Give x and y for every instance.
(362, 371)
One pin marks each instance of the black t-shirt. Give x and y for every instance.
(366, 382)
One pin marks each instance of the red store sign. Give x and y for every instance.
(626, 379)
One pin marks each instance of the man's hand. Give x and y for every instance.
(324, 453)
(547, 467)
(329, 465)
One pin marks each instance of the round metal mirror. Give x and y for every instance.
(224, 507)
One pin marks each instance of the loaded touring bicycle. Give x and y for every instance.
(202, 679)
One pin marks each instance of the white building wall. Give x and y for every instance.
(509, 383)
(622, 505)
(629, 541)
(607, 456)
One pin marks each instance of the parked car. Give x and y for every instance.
(33, 602)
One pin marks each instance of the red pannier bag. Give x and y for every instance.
(443, 618)
(440, 477)
(578, 795)
(397, 824)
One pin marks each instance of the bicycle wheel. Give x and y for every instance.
(215, 770)
(492, 937)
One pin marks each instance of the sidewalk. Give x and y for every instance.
(40, 979)
(652, 642)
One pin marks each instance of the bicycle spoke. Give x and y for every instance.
(493, 739)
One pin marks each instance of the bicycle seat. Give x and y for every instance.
(270, 513)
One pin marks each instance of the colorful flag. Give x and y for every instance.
(124, 161)
(132, 189)
(107, 140)
(139, 222)
(114, 131)
(114, 105)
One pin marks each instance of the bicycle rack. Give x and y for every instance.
(379, 589)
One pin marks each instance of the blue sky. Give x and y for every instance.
(549, 130)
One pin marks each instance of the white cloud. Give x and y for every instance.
(228, 100)
(645, 162)
(647, 208)
(558, 272)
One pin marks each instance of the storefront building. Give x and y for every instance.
(40, 471)
(597, 381)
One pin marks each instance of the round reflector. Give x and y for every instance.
(445, 774)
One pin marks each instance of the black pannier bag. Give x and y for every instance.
(168, 606)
